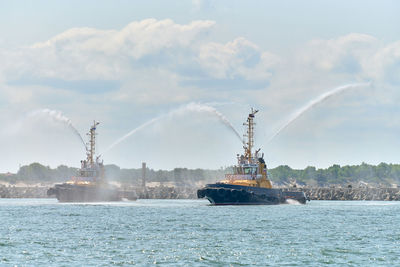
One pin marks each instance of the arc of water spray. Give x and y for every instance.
(122, 138)
(193, 107)
(313, 103)
(59, 117)
(211, 110)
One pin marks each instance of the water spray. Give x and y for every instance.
(212, 111)
(313, 103)
(144, 125)
(59, 117)
(192, 107)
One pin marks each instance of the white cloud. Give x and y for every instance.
(359, 55)
(179, 56)
(343, 53)
(160, 61)
(183, 57)
(85, 53)
(385, 64)
(239, 57)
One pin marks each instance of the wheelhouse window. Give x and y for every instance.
(251, 170)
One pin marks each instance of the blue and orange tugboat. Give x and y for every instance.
(249, 183)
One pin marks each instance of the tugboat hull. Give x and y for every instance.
(227, 194)
(83, 193)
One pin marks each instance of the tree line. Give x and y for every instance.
(385, 174)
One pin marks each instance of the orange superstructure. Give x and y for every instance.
(251, 169)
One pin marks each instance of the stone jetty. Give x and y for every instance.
(23, 191)
(349, 193)
(164, 192)
(158, 192)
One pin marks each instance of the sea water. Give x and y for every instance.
(42, 232)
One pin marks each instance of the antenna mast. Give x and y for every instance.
(92, 142)
(250, 134)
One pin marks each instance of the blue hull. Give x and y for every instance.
(227, 194)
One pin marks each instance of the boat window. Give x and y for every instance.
(250, 170)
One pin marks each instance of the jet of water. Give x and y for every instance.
(122, 138)
(59, 117)
(212, 111)
(191, 107)
(313, 103)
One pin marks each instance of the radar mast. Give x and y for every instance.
(91, 150)
(250, 135)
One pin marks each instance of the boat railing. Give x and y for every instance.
(242, 176)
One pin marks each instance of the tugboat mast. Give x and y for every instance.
(250, 134)
(92, 143)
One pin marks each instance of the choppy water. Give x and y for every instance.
(192, 233)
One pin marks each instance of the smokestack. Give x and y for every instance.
(144, 174)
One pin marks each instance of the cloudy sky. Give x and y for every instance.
(179, 69)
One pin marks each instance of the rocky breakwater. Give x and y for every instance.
(131, 193)
(349, 193)
(23, 191)
(166, 192)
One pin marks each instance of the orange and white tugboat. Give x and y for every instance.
(90, 184)
(249, 183)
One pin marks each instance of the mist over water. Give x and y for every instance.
(58, 117)
(313, 103)
(191, 107)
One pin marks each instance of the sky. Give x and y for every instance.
(176, 74)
